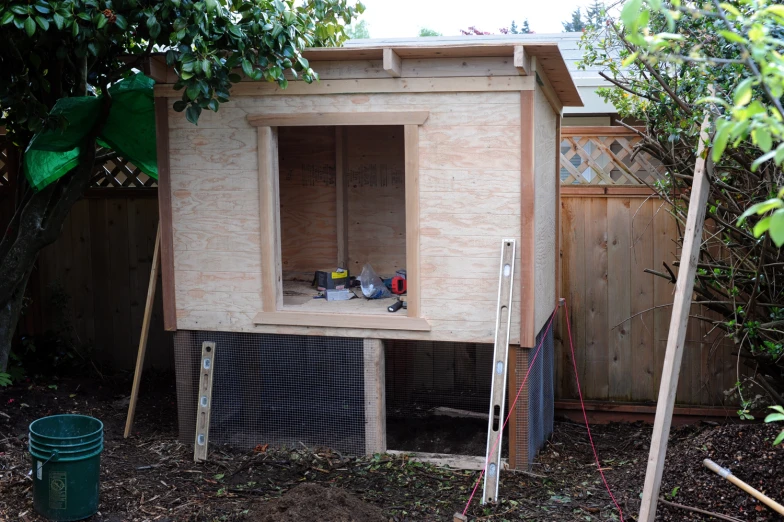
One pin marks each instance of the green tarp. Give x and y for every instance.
(129, 131)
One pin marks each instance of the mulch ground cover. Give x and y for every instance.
(152, 476)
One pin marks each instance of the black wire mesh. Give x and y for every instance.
(276, 389)
(541, 394)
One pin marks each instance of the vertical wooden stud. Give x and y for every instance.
(341, 186)
(165, 214)
(528, 228)
(411, 144)
(269, 218)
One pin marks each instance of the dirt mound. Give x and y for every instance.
(314, 502)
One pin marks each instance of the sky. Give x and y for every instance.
(391, 18)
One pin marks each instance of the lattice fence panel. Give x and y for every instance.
(117, 172)
(5, 166)
(606, 160)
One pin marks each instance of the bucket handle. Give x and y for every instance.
(54, 455)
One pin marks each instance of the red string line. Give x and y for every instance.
(585, 415)
(511, 409)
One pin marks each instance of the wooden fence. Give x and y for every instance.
(92, 282)
(619, 314)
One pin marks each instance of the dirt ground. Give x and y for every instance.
(151, 476)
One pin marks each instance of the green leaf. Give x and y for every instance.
(742, 94)
(630, 12)
(732, 37)
(213, 105)
(102, 21)
(776, 230)
(59, 21)
(8, 17)
(779, 438)
(42, 22)
(775, 417)
(121, 22)
(777, 10)
(629, 59)
(247, 67)
(193, 91)
(762, 226)
(762, 159)
(180, 105)
(723, 128)
(20, 10)
(762, 138)
(75, 29)
(192, 114)
(29, 26)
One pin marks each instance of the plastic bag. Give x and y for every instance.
(372, 285)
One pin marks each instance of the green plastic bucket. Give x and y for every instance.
(66, 452)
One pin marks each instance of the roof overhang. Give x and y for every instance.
(548, 59)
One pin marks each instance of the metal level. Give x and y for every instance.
(503, 323)
(205, 401)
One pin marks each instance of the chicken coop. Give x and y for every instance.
(415, 161)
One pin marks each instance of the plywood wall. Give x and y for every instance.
(376, 198)
(545, 207)
(469, 201)
(308, 217)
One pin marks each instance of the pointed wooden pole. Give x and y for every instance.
(692, 239)
(137, 376)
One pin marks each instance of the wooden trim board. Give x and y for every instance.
(528, 225)
(375, 397)
(411, 144)
(326, 320)
(447, 460)
(269, 216)
(392, 63)
(165, 215)
(374, 85)
(557, 216)
(598, 130)
(522, 60)
(338, 118)
(593, 191)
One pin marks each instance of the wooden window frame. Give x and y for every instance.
(272, 311)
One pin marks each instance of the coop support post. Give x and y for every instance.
(137, 375)
(692, 238)
(375, 398)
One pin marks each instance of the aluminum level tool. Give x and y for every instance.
(503, 323)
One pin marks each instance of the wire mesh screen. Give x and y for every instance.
(438, 396)
(540, 394)
(280, 389)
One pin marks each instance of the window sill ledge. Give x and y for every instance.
(328, 320)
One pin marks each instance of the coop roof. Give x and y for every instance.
(548, 56)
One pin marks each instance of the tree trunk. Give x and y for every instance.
(36, 223)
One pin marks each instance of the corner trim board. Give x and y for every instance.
(527, 216)
(165, 215)
(393, 65)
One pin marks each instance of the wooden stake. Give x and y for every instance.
(137, 375)
(692, 238)
(727, 474)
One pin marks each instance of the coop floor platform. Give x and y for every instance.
(301, 309)
(299, 296)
